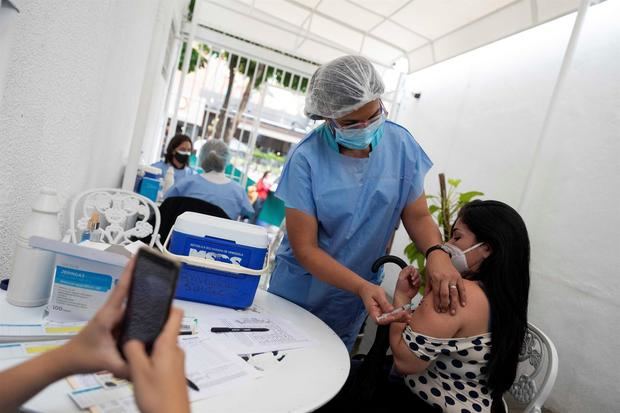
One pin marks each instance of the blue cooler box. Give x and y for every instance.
(222, 240)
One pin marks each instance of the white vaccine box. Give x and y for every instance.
(83, 279)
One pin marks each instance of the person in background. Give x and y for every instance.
(213, 186)
(466, 362)
(252, 194)
(345, 186)
(158, 380)
(262, 188)
(177, 155)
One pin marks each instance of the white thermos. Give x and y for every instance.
(33, 269)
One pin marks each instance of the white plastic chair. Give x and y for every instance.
(123, 215)
(536, 372)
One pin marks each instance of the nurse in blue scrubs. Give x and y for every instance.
(345, 186)
(213, 186)
(177, 156)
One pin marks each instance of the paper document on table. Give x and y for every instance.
(114, 402)
(24, 350)
(83, 381)
(122, 405)
(10, 332)
(99, 395)
(214, 369)
(282, 335)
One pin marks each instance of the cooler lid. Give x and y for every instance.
(202, 225)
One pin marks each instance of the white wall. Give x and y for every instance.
(7, 25)
(71, 98)
(479, 118)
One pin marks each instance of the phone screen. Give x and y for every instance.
(152, 289)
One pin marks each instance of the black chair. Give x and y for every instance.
(172, 207)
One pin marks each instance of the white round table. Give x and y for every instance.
(304, 380)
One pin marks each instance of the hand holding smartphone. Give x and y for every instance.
(152, 288)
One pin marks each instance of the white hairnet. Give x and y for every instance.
(213, 155)
(342, 86)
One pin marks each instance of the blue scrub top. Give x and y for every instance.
(178, 173)
(357, 203)
(230, 196)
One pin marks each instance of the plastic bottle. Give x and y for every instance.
(33, 269)
(169, 179)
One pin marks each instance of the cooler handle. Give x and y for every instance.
(217, 265)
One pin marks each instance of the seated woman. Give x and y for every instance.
(177, 155)
(464, 362)
(213, 186)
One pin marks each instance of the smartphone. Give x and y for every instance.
(152, 288)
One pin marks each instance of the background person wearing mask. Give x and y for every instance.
(345, 186)
(178, 153)
(213, 186)
(158, 380)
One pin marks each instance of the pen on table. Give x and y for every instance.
(237, 330)
(397, 310)
(191, 384)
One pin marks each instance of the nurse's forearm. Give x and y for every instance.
(442, 275)
(302, 232)
(425, 233)
(420, 225)
(321, 265)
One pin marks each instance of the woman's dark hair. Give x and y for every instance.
(174, 143)
(265, 174)
(505, 277)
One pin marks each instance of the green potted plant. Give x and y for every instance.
(443, 209)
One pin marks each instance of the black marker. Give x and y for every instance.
(191, 384)
(237, 330)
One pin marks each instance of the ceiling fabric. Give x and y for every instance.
(388, 32)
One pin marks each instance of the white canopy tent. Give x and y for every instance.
(398, 36)
(408, 34)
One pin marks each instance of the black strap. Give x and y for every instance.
(436, 247)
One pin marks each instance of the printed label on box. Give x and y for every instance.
(77, 294)
(215, 254)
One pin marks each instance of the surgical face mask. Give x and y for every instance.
(457, 256)
(182, 157)
(360, 138)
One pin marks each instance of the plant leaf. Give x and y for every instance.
(411, 252)
(465, 197)
(433, 208)
(420, 263)
(454, 182)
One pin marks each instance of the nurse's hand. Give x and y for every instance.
(444, 282)
(375, 300)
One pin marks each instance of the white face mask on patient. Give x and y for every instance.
(457, 256)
